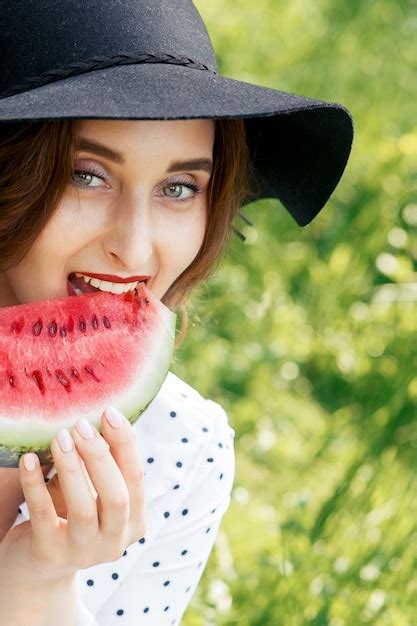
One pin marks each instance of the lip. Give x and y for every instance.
(114, 279)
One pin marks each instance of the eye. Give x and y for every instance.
(176, 190)
(85, 175)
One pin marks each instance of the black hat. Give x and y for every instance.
(153, 60)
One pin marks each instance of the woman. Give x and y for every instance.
(125, 154)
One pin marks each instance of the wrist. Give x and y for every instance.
(40, 604)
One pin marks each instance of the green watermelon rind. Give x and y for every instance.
(131, 402)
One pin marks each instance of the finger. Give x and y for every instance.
(112, 494)
(55, 491)
(81, 506)
(125, 452)
(40, 505)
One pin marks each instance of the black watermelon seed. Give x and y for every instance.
(106, 322)
(37, 328)
(82, 325)
(17, 325)
(89, 370)
(75, 374)
(63, 379)
(94, 322)
(52, 329)
(37, 377)
(63, 331)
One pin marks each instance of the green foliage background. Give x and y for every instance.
(306, 337)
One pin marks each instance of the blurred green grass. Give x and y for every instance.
(306, 337)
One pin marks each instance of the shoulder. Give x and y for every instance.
(186, 443)
(180, 406)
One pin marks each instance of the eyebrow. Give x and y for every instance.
(87, 145)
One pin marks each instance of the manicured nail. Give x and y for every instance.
(113, 417)
(84, 428)
(29, 461)
(65, 440)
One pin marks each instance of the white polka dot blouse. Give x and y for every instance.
(187, 448)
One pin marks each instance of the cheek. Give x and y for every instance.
(180, 243)
(71, 223)
(190, 236)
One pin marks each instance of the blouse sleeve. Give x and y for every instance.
(162, 582)
(85, 617)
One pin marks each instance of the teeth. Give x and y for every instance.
(104, 285)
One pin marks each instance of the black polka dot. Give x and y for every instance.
(155, 564)
(187, 590)
(221, 476)
(20, 511)
(176, 486)
(90, 582)
(166, 608)
(173, 414)
(184, 440)
(166, 514)
(115, 576)
(210, 460)
(184, 552)
(220, 445)
(124, 553)
(213, 510)
(120, 612)
(204, 429)
(150, 460)
(145, 610)
(142, 540)
(208, 530)
(185, 511)
(178, 464)
(166, 583)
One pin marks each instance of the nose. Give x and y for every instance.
(130, 241)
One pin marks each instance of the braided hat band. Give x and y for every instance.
(100, 62)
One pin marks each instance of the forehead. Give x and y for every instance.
(156, 135)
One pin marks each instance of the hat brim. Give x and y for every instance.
(299, 146)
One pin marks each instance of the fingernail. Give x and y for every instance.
(29, 461)
(84, 428)
(65, 440)
(113, 417)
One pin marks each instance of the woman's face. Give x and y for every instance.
(143, 214)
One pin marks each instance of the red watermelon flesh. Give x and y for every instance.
(68, 358)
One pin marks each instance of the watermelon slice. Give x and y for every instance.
(68, 358)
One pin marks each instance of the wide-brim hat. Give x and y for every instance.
(153, 60)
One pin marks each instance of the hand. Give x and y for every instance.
(83, 522)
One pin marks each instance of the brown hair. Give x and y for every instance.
(36, 163)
